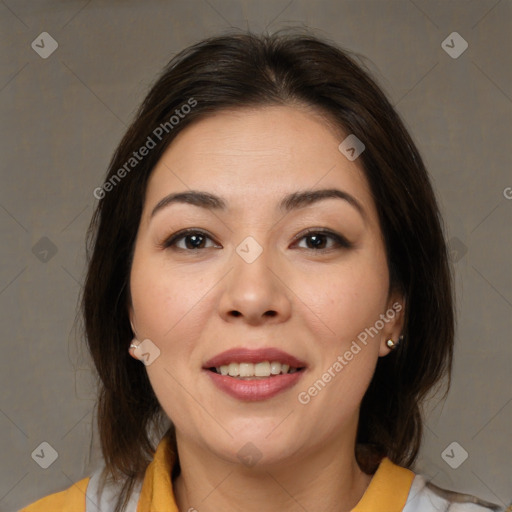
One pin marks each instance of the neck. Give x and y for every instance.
(327, 479)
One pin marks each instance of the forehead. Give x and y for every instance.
(262, 153)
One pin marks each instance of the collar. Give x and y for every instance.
(388, 489)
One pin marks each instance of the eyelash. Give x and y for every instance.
(340, 241)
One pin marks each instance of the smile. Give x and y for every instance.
(254, 374)
(255, 370)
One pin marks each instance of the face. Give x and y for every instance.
(262, 275)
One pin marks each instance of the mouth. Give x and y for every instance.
(252, 363)
(254, 371)
(253, 375)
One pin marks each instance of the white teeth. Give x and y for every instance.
(275, 368)
(262, 369)
(246, 369)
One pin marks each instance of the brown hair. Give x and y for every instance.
(246, 70)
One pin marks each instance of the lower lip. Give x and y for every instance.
(257, 389)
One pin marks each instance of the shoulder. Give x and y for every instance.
(427, 497)
(69, 500)
(88, 495)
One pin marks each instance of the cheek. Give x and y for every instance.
(353, 298)
(347, 299)
(168, 308)
(163, 298)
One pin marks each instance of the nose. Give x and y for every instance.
(255, 293)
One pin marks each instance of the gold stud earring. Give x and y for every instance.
(393, 344)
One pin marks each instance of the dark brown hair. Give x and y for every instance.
(246, 70)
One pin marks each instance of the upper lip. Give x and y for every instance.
(247, 355)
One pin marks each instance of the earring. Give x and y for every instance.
(393, 344)
(132, 345)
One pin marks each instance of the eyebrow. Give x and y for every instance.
(290, 202)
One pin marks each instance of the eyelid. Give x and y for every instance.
(172, 239)
(339, 240)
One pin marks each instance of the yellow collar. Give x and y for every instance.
(388, 489)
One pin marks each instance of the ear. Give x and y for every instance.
(131, 316)
(393, 319)
(131, 350)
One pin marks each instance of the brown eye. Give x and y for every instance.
(324, 241)
(189, 239)
(315, 240)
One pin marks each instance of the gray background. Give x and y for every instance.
(63, 116)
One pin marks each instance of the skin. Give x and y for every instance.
(196, 303)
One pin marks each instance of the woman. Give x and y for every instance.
(268, 245)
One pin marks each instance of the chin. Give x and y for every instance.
(257, 444)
